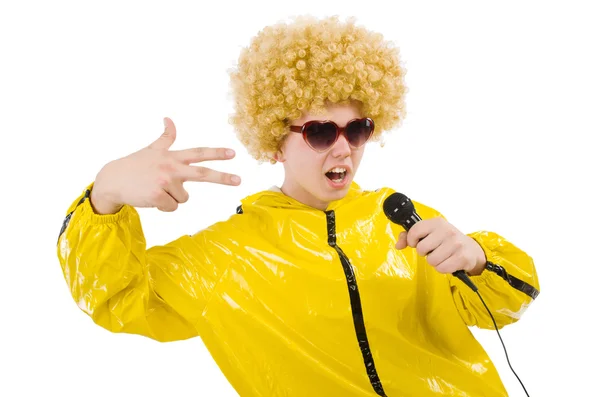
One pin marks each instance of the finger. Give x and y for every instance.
(164, 201)
(453, 263)
(176, 190)
(428, 244)
(440, 254)
(168, 136)
(419, 231)
(401, 244)
(204, 174)
(199, 154)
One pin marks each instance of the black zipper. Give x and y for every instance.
(357, 314)
(68, 217)
(514, 282)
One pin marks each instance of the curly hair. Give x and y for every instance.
(299, 67)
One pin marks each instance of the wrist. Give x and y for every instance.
(102, 204)
(480, 261)
(477, 269)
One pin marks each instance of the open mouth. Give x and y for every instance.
(337, 175)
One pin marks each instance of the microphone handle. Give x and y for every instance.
(460, 274)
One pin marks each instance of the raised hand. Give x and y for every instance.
(154, 175)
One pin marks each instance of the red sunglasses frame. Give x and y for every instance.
(339, 131)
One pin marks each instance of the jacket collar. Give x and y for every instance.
(275, 198)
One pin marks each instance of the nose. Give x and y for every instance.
(341, 148)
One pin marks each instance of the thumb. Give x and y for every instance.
(402, 242)
(168, 136)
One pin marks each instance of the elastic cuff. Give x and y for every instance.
(483, 278)
(87, 212)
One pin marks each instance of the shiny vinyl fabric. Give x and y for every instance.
(293, 301)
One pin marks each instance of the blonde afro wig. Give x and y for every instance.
(293, 68)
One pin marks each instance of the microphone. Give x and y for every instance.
(400, 209)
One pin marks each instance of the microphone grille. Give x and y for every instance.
(397, 207)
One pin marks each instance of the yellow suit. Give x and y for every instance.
(294, 301)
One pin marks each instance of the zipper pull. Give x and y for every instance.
(499, 270)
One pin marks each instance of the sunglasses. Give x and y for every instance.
(321, 135)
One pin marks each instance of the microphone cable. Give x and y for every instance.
(501, 341)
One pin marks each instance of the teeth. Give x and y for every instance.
(340, 171)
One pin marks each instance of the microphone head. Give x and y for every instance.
(398, 208)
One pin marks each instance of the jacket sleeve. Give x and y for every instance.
(508, 284)
(159, 292)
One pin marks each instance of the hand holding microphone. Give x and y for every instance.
(447, 249)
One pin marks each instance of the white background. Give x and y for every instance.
(500, 135)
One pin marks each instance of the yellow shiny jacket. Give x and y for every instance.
(294, 301)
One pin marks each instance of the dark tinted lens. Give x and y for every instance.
(359, 132)
(320, 135)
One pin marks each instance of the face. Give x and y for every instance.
(308, 173)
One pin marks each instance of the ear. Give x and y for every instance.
(279, 157)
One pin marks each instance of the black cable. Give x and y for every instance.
(501, 341)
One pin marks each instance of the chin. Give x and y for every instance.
(339, 194)
(332, 194)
